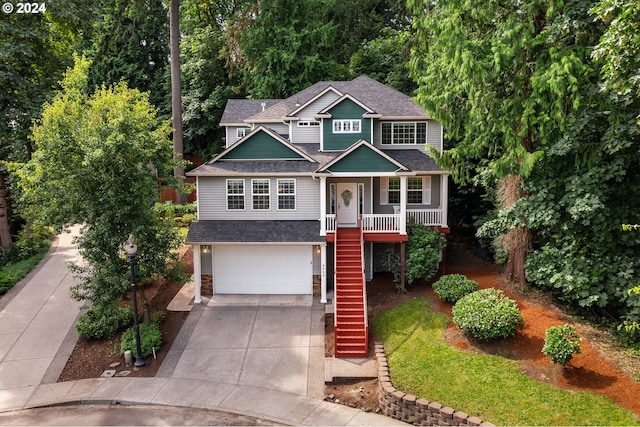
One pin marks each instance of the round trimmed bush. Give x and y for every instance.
(452, 287)
(487, 314)
(561, 343)
(104, 323)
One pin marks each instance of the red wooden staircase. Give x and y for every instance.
(351, 325)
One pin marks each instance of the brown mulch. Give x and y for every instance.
(90, 358)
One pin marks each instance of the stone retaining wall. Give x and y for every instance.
(410, 409)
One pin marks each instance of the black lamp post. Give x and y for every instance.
(131, 248)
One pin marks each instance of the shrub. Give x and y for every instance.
(423, 252)
(487, 314)
(452, 287)
(561, 343)
(150, 338)
(104, 322)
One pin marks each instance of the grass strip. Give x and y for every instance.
(12, 273)
(421, 362)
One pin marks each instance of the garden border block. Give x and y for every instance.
(411, 409)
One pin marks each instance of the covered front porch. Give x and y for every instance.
(380, 222)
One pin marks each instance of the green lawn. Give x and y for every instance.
(422, 363)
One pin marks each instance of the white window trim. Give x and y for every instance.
(415, 133)
(241, 132)
(244, 204)
(308, 123)
(341, 126)
(294, 194)
(426, 191)
(268, 194)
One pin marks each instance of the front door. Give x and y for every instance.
(347, 204)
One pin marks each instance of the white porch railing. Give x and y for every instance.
(425, 216)
(380, 223)
(330, 223)
(390, 223)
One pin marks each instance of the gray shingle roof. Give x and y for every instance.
(237, 231)
(381, 98)
(237, 110)
(415, 160)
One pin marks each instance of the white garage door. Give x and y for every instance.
(254, 269)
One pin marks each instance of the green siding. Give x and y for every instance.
(261, 146)
(346, 110)
(364, 159)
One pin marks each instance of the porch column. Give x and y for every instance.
(323, 206)
(444, 198)
(403, 204)
(197, 275)
(323, 273)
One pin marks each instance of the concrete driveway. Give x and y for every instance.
(268, 344)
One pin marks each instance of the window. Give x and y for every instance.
(235, 194)
(286, 194)
(260, 194)
(332, 198)
(418, 190)
(394, 190)
(404, 133)
(414, 190)
(308, 123)
(346, 126)
(241, 132)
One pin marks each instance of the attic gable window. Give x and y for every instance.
(241, 132)
(404, 133)
(346, 126)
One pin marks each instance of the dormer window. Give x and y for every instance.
(308, 123)
(346, 126)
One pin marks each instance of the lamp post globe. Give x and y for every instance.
(131, 248)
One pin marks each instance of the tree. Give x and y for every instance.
(289, 47)
(99, 154)
(209, 69)
(385, 60)
(503, 79)
(34, 49)
(176, 92)
(130, 42)
(582, 191)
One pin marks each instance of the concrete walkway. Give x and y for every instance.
(255, 356)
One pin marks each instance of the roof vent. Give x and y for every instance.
(263, 104)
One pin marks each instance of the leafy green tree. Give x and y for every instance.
(385, 60)
(503, 79)
(130, 42)
(358, 22)
(34, 50)
(208, 80)
(582, 191)
(620, 44)
(98, 154)
(289, 47)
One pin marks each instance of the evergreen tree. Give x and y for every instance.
(130, 42)
(289, 47)
(503, 79)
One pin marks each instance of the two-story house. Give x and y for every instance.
(316, 185)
